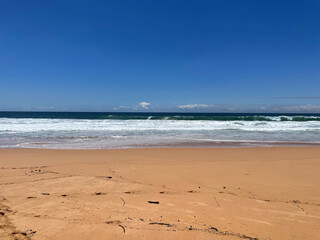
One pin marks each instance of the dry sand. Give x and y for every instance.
(217, 193)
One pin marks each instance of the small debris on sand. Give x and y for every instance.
(124, 230)
(162, 224)
(124, 202)
(213, 228)
(191, 191)
(99, 193)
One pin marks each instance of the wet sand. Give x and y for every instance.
(179, 193)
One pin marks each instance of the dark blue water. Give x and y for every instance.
(165, 116)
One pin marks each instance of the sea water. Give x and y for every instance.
(70, 130)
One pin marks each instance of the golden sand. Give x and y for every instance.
(217, 193)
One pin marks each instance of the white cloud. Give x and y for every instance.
(192, 106)
(145, 105)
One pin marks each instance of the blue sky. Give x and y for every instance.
(160, 55)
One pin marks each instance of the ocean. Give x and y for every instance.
(108, 130)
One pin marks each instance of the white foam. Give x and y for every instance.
(77, 133)
(38, 125)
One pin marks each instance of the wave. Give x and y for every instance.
(212, 118)
(216, 118)
(300, 119)
(194, 118)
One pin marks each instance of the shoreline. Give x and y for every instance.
(203, 144)
(156, 193)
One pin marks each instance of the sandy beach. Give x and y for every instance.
(179, 193)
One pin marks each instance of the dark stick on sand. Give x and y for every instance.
(124, 203)
(162, 224)
(124, 230)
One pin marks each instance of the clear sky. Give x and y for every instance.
(158, 55)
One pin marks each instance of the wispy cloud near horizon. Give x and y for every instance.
(290, 97)
(205, 108)
(262, 108)
(193, 106)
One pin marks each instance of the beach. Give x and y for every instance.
(160, 193)
(160, 120)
